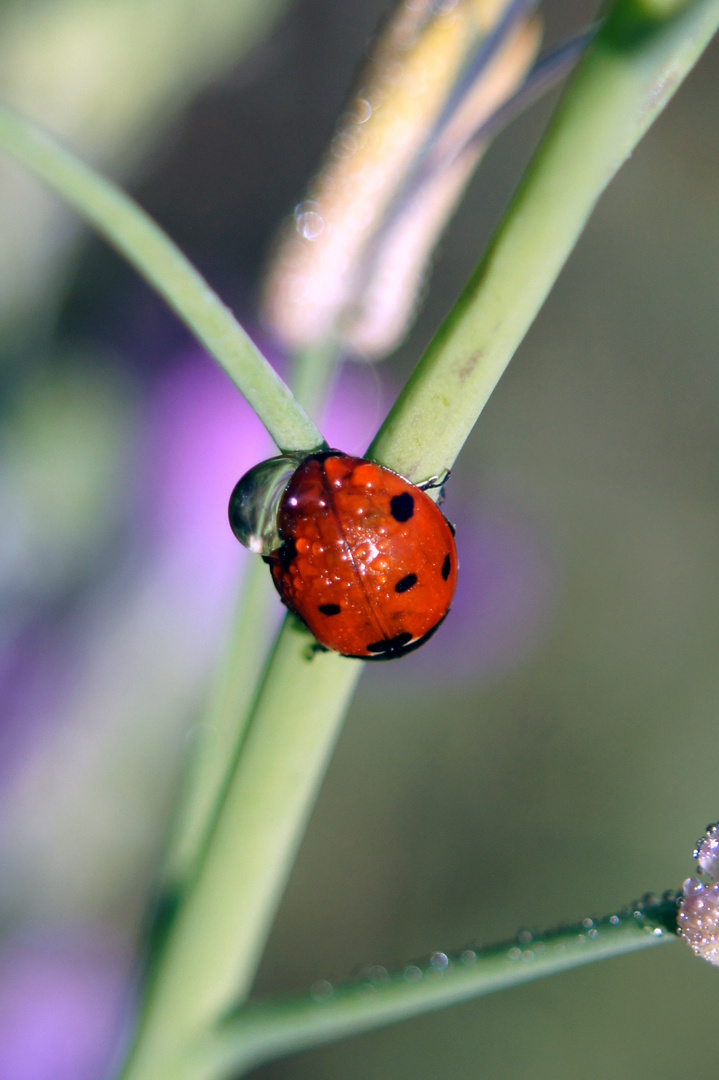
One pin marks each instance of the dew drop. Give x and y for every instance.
(439, 961)
(412, 973)
(322, 990)
(310, 225)
(343, 145)
(362, 110)
(515, 954)
(707, 852)
(614, 920)
(468, 957)
(255, 502)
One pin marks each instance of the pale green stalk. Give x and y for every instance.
(629, 74)
(662, 9)
(313, 376)
(143, 243)
(223, 724)
(216, 940)
(269, 1029)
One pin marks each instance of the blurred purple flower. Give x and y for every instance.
(357, 407)
(507, 588)
(201, 435)
(63, 999)
(197, 435)
(33, 680)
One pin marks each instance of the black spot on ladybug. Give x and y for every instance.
(399, 646)
(287, 553)
(390, 645)
(329, 609)
(406, 583)
(402, 506)
(446, 567)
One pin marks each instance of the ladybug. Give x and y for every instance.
(363, 557)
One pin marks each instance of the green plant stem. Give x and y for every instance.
(211, 953)
(267, 1030)
(224, 723)
(660, 9)
(143, 243)
(313, 376)
(627, 77)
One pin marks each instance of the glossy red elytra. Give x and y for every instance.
(363, 557)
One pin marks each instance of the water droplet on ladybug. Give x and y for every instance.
(255, 500)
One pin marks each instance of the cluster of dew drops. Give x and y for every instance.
(698, 918)
(525, 949)
(697, 926)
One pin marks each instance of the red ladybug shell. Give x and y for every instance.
(368, 561)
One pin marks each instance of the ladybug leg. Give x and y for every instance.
(436, 482)
(314, 649)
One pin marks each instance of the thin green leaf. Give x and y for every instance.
(267, 1030)
(143, 243)
(223, 725)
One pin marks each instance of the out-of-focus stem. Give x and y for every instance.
(313, 375)
(223, 723)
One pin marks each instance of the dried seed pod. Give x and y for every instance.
(351, 261)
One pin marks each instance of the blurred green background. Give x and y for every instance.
(551, 756)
